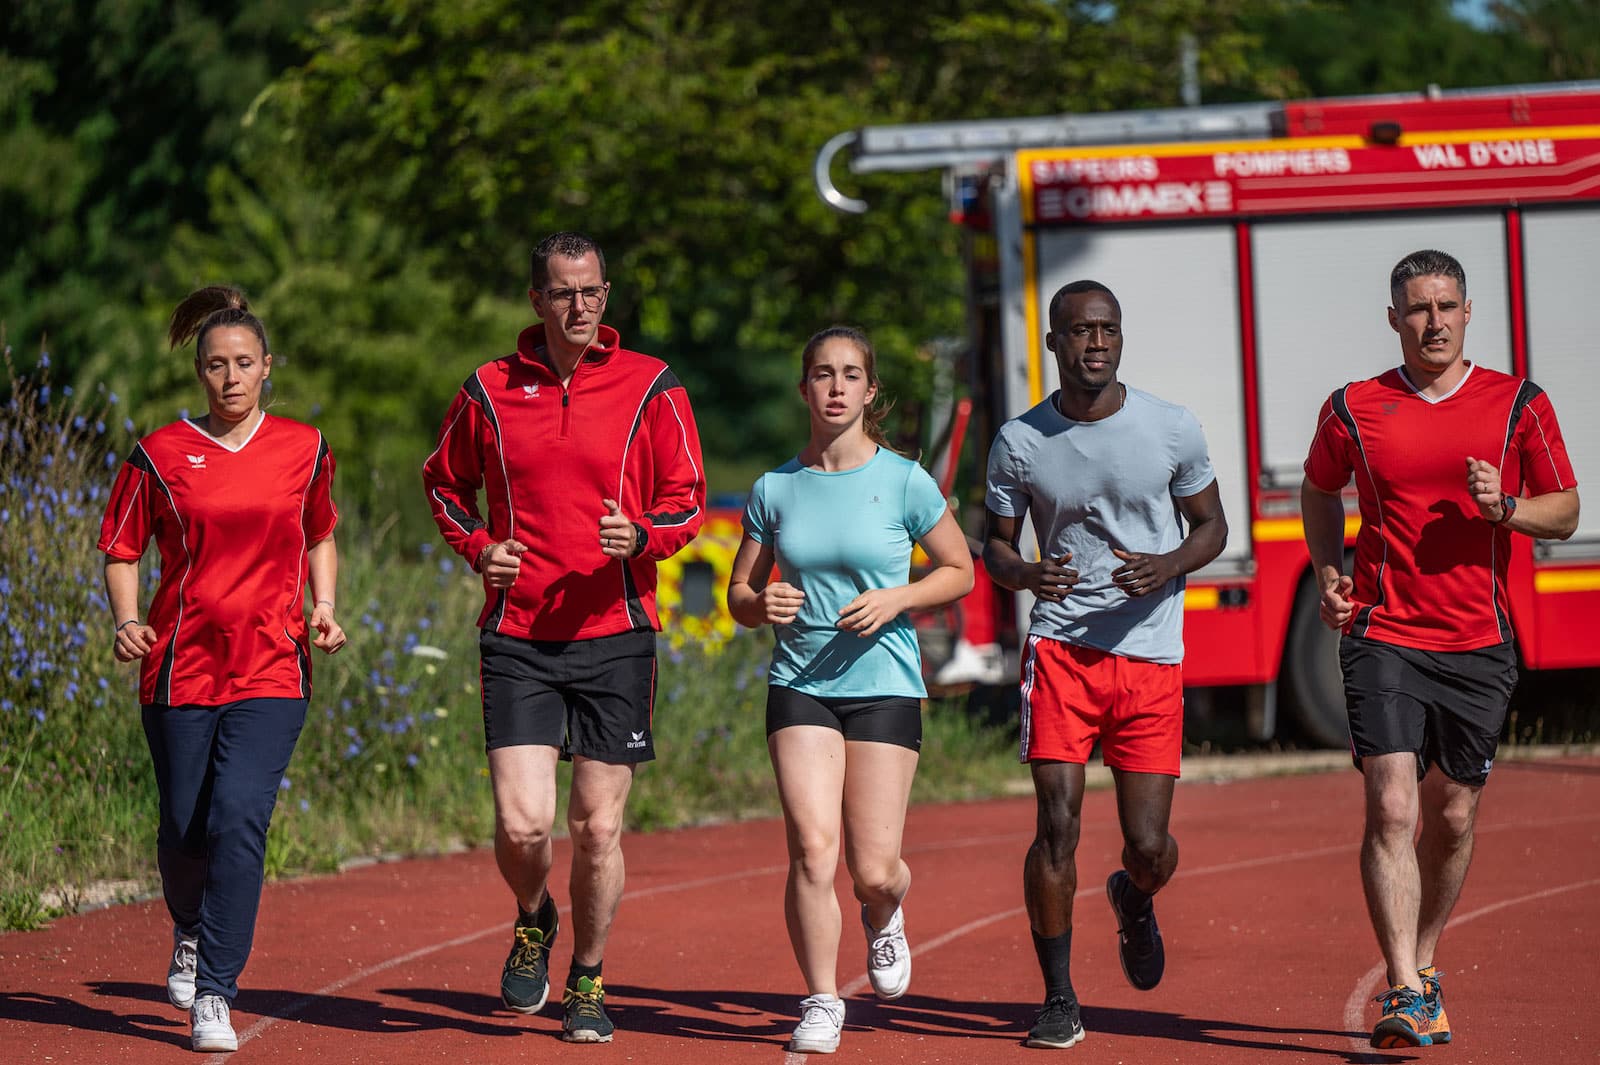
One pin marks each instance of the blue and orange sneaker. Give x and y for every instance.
(1433, 997)
(1404, 1022)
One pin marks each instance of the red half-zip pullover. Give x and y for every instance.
(545, 456)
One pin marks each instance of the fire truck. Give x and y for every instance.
(1250, 247)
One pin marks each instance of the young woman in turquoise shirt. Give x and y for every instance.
(844, 718)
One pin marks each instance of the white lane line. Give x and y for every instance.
(1366, 988)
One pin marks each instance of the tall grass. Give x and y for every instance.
(391, 757)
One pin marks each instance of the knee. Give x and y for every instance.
(1454, 821)
(876, 878)
(1057, 838)
(597, 834)
(814, 857)
(1148, 851)
(524, 829)
(1391, 812)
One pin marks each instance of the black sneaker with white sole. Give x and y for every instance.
(1058, 1025)
(1143, 957)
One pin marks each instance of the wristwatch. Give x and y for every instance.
(1508, 507)
(642, 537)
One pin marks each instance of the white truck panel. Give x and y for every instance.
(1562, 248)
(1322, 294)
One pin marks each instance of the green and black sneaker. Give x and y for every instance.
(525, 981)
(586, 1020)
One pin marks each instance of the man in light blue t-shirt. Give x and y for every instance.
(1109, 474)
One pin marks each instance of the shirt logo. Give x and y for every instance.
(637, 741)
(530, 390)
(1390, 406)
(196, 462)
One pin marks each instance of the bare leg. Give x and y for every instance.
(809, 762)
(1444, 850)
(1389, 861)
(1144, 807)
(877, 786)
(524, 781)
(594, 818)
(1050, 874)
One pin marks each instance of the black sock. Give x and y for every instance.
(543, 916)
(1132, 899)
(1055, 961)
(579, 971)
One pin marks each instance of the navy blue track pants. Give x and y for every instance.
(218, 769)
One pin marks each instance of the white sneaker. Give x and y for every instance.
(180, 974)
(888, 955)
(821, 1024)
(971, 664)
(211, 1025)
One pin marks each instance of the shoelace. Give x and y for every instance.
(1399, 1000)
(183, 956)
(210, 1010)
(529, 953)
(1058, 1008)
(883, 952)
(585, 1003)
(818, 1015)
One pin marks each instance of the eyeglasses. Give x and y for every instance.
(563, 297)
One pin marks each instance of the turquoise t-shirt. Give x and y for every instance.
(835, 535)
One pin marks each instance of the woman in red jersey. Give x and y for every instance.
(239, 505)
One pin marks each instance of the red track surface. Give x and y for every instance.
(1270, 956)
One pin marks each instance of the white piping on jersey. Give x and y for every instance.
(1436, 399)
(132, 500)
(1548, 454)
(683, 435)
(183, 538)
(242, 444)
(500, 450)
(305, 548)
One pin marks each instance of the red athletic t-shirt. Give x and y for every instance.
(1430, 572)
(233, 528)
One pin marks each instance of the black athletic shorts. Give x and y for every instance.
(1446, 707)
(896, 719)
(589, 697)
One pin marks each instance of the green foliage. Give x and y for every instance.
(116, 111)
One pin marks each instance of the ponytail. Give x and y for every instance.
(209, 308)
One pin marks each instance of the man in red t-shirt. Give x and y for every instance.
(1450, 459)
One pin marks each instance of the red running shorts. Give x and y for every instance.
(1072, 696)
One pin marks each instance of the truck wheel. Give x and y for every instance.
(1311, 673)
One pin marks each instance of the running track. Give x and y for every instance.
(1270, 957)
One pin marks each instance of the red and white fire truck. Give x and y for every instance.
(1250, 246)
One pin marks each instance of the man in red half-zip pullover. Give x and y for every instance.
(589, 460)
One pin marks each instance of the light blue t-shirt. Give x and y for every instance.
(836, 535)
(1092, 486)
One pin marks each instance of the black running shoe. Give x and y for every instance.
(586, 1020)
(525, 980)
(1138, 937)
(1058, 1026)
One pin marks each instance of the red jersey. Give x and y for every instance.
(545, 455)
(1430, 572)
(233, 527)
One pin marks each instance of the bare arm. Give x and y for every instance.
(752, 601)
(949, 580)
(1550, 516)
(1140, 574)
(323, 561)
(1049, 579)
(1322, 515)
(133, 638)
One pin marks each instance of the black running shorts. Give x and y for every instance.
(896, 719)
(1446, 707)
(587, 697)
